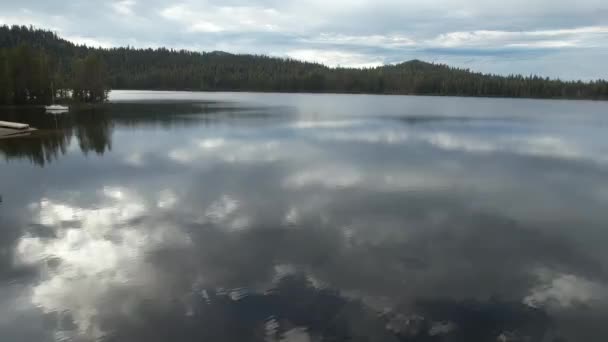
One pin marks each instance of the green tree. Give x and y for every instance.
(20, 60)
(26, 76)
(41, 81)
(6, 82)
(92, 71)
(90, 80)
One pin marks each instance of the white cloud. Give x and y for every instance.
(565, 290)
(221, 209)
(205, 26)
(331, 176)
(545, 44)
(580, 36)
(213, 143)
(134, 159)
(336, 58)
(167, 199)
(182, 155)
(306, 124)
(574, 31)
(229, 150)
(376, 40)
(296, 335)
(101, 254)
(541, 145)
(392, 136)
(124, 7)
(226, 212)
(447, 141)
(27, 17)
(210, 18)
(88, 41)
(292, 216)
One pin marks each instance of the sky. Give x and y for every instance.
(555, 38)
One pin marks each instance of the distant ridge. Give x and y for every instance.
(168, 69)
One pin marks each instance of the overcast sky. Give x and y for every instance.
(557, 38)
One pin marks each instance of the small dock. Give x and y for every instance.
(14, 129)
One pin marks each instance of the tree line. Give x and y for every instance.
(37, 76)
(167, 69)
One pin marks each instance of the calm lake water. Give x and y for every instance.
(173, 216)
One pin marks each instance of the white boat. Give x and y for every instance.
(56, 109)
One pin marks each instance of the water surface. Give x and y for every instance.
(169, 216)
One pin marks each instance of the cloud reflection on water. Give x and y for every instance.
(367, 223)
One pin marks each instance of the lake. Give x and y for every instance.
(175, 216)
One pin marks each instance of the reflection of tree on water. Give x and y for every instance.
(93, 126)
(93, 129)
(39, 150)
(492, 320)
(295, 307)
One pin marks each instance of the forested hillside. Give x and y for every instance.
(129, 68)
(36, 67)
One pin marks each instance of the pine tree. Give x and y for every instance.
(43, 59)
(6, 82)
(89, 83)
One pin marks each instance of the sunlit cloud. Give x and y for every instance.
(212, 143)
(559, 38)
(540, 146)
(211, 18)
(548, 146)
(181, 155)
(222, 208)
(292, 216)
(236, 150)
(329, 176)
(377, 40)
(385, 136)
(124, 7)
(309, 124)
(565, 290)
(336, 58)
(134, 159)
(296, 335)
(167, 199)
(25, 16)
(89, 41)
(100, 253)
